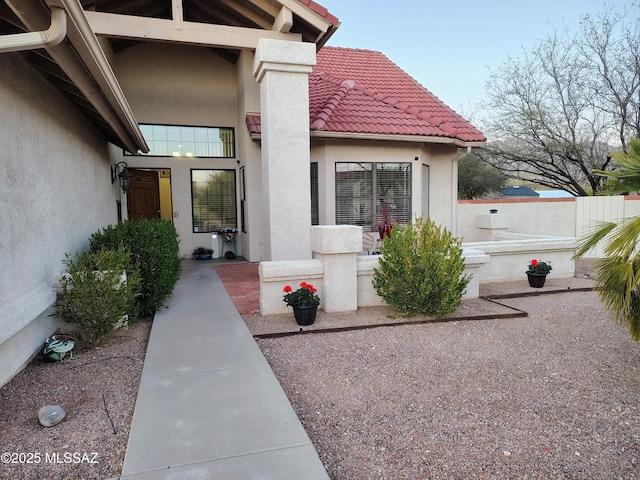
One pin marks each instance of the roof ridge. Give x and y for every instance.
(332, 102)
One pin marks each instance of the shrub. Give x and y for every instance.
(421, 270)
(94, 297)
(154, 248)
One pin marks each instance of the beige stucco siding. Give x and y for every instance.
(56, 191)
(179, 85)
(443, 188)
(250, 157)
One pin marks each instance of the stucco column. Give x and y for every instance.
(282, 68)
(337, 246)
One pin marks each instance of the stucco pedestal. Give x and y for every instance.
(337, 246)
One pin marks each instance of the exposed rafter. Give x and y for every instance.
(283, 21)
(307, 15)
(248, 14)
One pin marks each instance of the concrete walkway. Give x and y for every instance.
(209, 406)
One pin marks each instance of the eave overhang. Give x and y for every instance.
(80, 69)
(78, 66)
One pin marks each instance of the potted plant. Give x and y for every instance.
(385, 224)
(202, 253)
(537, 273)
(304, 301)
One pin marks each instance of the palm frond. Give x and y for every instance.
(593, 237)
(618, 287)
(624, 238)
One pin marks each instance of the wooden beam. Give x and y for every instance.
(160, 30)
(177, 11)
(284, 21)
(267, 7)
(245, 12)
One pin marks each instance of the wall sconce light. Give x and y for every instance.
(118, 172)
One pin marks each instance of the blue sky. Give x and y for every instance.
(451, 46)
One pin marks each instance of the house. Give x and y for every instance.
(217, 115)
(518, 191)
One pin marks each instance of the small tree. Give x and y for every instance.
(94, 295)
(421, 270)
(477, 178)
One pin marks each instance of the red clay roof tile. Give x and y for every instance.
(383, 99)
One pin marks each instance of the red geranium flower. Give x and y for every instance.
(539, 267)
(303, 296)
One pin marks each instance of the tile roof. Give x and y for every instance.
(363, 92)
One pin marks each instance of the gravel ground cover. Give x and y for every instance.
(553, 395)
(97, 388)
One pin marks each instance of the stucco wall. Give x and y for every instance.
(249, 154)
(533, 217)
(178, 85)
(56, 191)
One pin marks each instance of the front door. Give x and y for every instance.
(144, 194)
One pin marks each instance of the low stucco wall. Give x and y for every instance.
(511, 254)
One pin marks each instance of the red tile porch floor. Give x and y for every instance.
(242, 282)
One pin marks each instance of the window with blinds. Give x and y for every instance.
(315, 211)
(213, 194)
(190, 142)
(363, 189)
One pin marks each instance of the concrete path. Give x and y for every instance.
(209, 406)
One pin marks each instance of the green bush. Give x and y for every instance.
(421, 270)
(154, 248)
(93, 296)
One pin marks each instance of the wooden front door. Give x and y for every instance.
(144, 194)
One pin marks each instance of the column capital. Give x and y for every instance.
(283, 56)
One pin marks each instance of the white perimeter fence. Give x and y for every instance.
(564, 217)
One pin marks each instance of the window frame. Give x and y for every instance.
(234, 196)
(229, 147)
(373, 200)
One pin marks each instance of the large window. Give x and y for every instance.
(213, 199)
(190, 142)
(363, 189)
